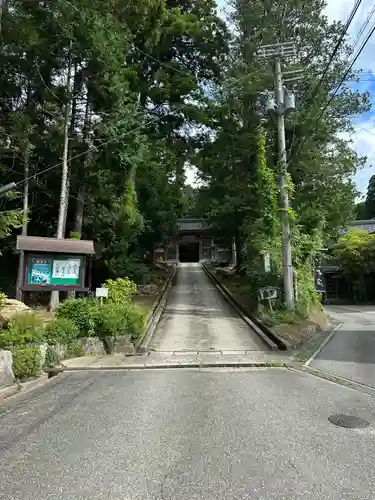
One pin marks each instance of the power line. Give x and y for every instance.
(121, 136)
(163, 63)
(347, 72)
(325, 71)
(364, 26)
(343, 79)
(337, 46)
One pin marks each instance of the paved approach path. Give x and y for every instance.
(351, 351)
(184, 435)
(197, 317)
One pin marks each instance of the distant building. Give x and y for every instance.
(193, 243)
(368, 225)
(338, 287)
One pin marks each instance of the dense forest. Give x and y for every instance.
(138, 92)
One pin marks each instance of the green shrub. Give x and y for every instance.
(75, 350)
(26, 362)
(121, 290)
(23, 329)
(52, 358)
(111, 320)
(135, 321)
(138, 272)
(3, 299)
(82, 312)
(62, 330)
(74, 235)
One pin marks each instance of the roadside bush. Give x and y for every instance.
(120, 290)
(61, 330)
(82, 312)
(111, 320)
(52, 358)
(22, 330)
(26, 362)
(3, 299)
(75, 350)
(135, 322)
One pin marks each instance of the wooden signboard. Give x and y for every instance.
(53, 264)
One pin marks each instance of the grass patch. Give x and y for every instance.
(308, 348)
(145, 302)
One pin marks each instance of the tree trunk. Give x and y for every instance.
(54, 302)
(77, 86)
(3, 5)
(80, 202)
(238, 240)
(21, 263)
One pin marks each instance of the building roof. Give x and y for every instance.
(368, 225)
(55, 245)
(192, 224)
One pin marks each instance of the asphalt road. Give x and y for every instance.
(187, 435)
(197, 317)
(351, 351)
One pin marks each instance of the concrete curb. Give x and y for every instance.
(163, 366)
(323, 344)
(155, 314)
(9, 391)
(23, 388)
(335, 379)
(270, 339)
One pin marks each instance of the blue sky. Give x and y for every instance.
(363, 138)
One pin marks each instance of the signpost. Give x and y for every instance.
(320, 285)
(268, 293)
(101, 293)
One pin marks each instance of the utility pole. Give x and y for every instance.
(279, 105)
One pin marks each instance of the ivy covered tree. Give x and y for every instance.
(320, 162)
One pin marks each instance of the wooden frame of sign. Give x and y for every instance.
(53, 264)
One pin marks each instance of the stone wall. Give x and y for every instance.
(6, 371)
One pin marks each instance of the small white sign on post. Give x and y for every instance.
(268, 293)
(101, 293)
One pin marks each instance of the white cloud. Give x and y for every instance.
(364, 135)
(363, 142)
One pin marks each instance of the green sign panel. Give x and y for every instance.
(59, 270)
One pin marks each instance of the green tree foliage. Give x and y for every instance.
(355, 254)
(139, 73)
(157, 86)
(239, 176)
(370, 199)
(360, 211)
